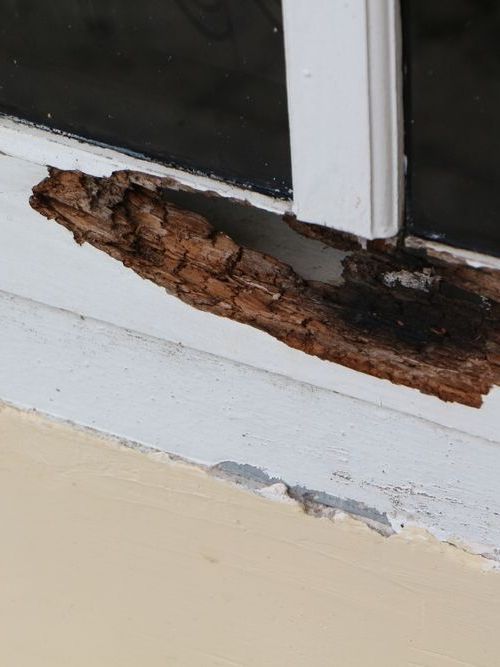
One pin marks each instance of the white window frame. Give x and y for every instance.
(344, 89)
(342, 61)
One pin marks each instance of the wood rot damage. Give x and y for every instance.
(398, 315)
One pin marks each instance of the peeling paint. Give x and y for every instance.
(313, 503)
(316, 503)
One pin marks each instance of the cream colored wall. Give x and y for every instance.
(110, 556)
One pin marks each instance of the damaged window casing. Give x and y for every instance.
(397, 315)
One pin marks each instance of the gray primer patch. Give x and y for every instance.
(255, 478)
(355, 507)
(244, 474)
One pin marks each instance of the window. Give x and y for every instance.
(200, 85)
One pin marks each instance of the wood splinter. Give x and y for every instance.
(397, 318)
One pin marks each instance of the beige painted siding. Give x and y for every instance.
(112, 557)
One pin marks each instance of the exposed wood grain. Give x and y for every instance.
(412, 328)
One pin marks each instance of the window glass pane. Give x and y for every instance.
(198, 84)
(452, 121)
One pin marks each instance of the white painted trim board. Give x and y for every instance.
(209, 409)
(39, 260)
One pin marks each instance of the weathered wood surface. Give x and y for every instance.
(397, 318)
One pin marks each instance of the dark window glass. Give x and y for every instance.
(195, 83)
(452, 54)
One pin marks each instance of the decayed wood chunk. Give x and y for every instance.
(394, 319)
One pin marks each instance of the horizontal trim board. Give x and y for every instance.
(59, 276)
(210, 409)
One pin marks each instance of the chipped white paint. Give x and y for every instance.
(343, 71)
(210, 409)
(277, 492)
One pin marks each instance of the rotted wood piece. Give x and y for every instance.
(401, 320)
